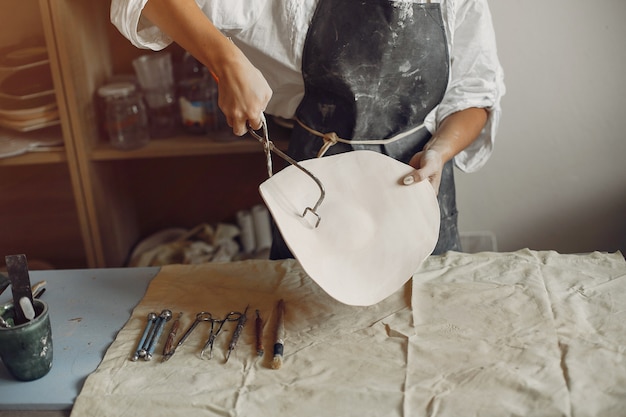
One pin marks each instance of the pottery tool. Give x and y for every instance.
(39, 288)
(27, 308)
(277, 361)
(259, 334)
(168, 349)
(233, 341)
(200, 317)
(139, 352)
(232, 316)
(17, 268)
(164, 317)
(269, 147)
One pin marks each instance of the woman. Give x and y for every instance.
(349, 73)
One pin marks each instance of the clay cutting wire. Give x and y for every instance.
(269, 147)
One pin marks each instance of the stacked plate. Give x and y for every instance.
(27, 99)
(39, 140)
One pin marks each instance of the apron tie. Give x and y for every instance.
(332, 138)
(329, 140)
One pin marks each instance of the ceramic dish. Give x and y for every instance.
(37, 107)
(12, 147)
(28, 83)
(44, 138)
(14, 144)
(22, 57)
(30, 125)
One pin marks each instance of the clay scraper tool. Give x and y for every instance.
(17, 268)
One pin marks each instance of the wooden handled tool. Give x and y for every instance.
(277, 360)
(259, 334)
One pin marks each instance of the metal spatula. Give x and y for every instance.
(17, 268)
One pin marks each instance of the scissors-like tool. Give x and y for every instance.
(232, 316)
(269, 147)
(200, 317)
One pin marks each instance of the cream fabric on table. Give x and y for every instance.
(524, 333)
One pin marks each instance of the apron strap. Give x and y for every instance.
(332, 138)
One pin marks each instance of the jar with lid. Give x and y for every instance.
(198, 97)
(125, 115)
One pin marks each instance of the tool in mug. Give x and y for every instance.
(269, 147)
(17, 269)
(38, 289)
(232, 316)
(200, 317)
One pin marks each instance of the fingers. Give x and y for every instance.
(240, 119)
(240, 125)
(416, 176)
(258, 123)
(428, 166)
(243, 96)
(419, 175)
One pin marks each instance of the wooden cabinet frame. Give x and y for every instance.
(122, 196)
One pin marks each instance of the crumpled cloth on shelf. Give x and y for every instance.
(489, 334)
(204, 243)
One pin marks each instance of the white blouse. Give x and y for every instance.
(272, 32)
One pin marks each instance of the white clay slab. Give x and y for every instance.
(374, 232)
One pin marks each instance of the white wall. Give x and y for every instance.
(557, 178)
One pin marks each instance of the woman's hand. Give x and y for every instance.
(243, 93)
(428, 165)
(455, 133)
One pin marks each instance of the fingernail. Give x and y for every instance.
(408, 180)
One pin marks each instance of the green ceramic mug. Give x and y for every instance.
(26, 349)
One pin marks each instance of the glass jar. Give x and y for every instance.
(125, 115)
(198, 97)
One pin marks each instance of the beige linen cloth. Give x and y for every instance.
(493, 334)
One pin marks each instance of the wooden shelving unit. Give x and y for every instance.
(89, 204)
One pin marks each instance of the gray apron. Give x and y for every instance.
(373, 69)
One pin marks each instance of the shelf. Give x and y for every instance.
(40, 146)
(87, 203)
(36, 158)
(221, 143)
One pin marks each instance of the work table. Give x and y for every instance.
(495, 334)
